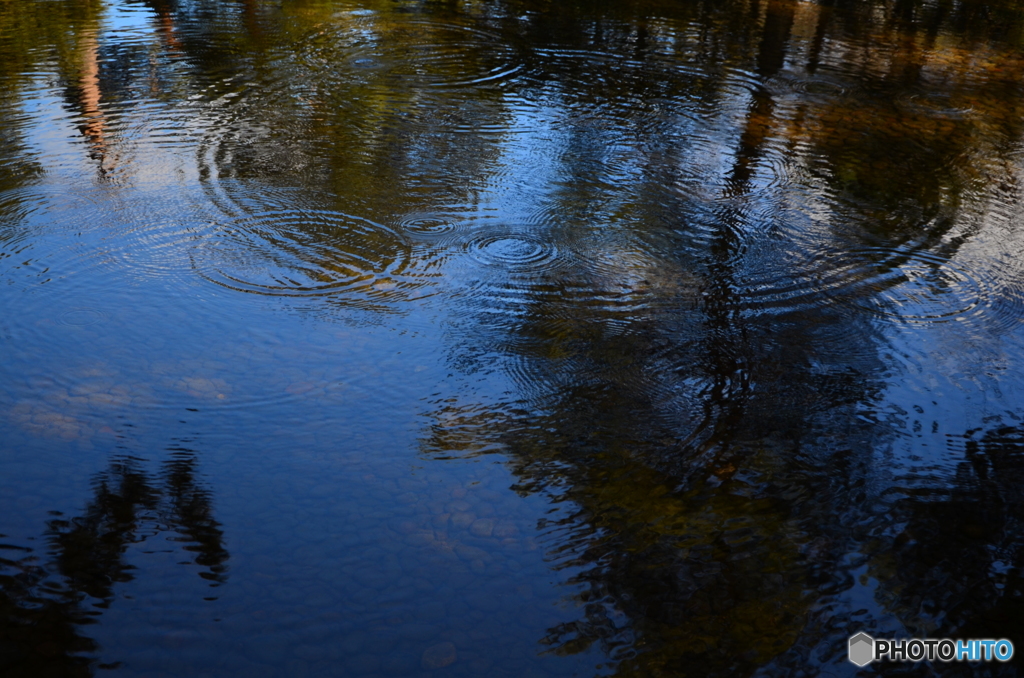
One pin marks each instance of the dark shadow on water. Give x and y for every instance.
(47, 599)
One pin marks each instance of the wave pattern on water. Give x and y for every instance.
(909, 286)
(419, 51)
(514, 252)
(307, 253)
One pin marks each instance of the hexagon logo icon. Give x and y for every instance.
(862, 649)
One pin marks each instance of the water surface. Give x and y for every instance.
(508, 338)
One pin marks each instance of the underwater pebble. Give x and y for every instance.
(504, 530)
(482, 527)
(469, 553)
(463, 519)
(438, 656)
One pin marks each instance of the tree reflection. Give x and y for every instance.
(955, 565)
(44, 602)
(722, 477)
(95, 124)
(39, 620)
(33, 32)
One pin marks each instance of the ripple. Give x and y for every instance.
(79, 317)
(60, 236)
(296, 253)
(934, 104)
(891, 283)
(420, 52)
(506, 274)
(920, 287)
(719, 173)
(427, 225)
(541, 377)
(518, 252)
(614, 61)
(630, 279)
(615, 64)
(814, 87)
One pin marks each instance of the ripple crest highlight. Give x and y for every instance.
(920, 287)
(518, 252)
(309, 253)
(909, 286)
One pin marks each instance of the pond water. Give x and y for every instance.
(508, 337)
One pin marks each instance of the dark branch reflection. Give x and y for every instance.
(46, 599)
